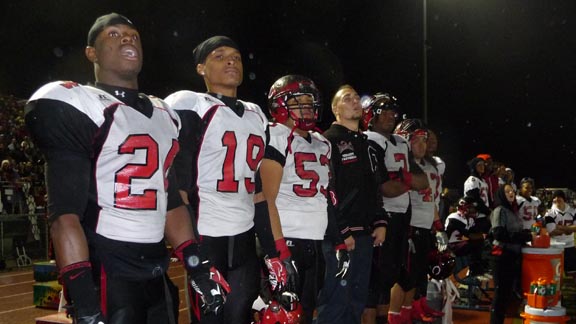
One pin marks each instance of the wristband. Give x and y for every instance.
(282, 248)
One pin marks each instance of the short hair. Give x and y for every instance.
(336, 95)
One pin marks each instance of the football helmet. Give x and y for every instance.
(375, 104)
(284, 309)
(467, 207)
(440, 264)
(408, 128)
(290, 87)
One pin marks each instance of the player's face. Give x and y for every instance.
(418, 145)
(526, 189)
(222, 69)
(432, 144)
(117, 53)
(348, 105)
(510, 193)
(559, 201)
(480, 167)
(386, 121)
(301, 107)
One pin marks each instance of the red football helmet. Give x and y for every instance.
(467, 207)
(408, 128)
(284, 310)
(375, 104)
(289, 87)
(440, 264)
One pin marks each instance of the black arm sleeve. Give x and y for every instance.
(456, 225)
(189, 138)
(273, 154)
(64, 136)
(174, 198)
(262, 224)
(480, 206)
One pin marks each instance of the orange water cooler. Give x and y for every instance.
(542, 263)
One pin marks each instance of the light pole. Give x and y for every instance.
(425, 60)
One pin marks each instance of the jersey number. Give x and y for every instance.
(123, 197)
(255, 144)
(311, 175)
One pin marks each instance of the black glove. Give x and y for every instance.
(343, 259)
(205, 280)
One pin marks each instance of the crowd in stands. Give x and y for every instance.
(22, 168)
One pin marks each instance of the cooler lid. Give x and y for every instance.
(551, 311)
(550, 250)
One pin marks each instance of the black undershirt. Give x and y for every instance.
(231, 102)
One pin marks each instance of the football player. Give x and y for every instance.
(527, 204)
(111, 195)
(477, 188)
(560, 224)
(223, 140)
(295, 181)
(389, 280)
(423, 221)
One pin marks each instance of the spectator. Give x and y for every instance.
(508, 237)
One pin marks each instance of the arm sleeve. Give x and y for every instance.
(64, 136)
(184, 168)
(456, 225)
(262, 225)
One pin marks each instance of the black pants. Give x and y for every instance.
(507, 267)
(307, 254)
(137, 302)
(235, 258)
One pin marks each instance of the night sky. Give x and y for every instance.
(501, 73)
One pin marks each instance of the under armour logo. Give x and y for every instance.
(119, 93)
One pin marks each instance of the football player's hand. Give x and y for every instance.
(91, 319)
(212, 288)
(403, 176)
(343, 261)
(205, 279)
(442, 241)
(282, 274)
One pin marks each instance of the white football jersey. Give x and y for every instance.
(396, 157)
(562, 217)
(132, 165)
(466, 224)
(424, 201)
(231, 150)
(472, 183)
(301, 199)
(528, 210)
